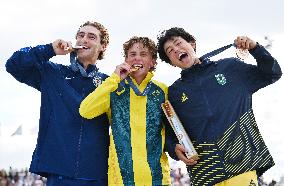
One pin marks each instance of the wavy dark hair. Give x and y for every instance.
(166, 35)
(104, 36)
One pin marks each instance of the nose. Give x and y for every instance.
(175, 49)
(85, 39)
(137, 58)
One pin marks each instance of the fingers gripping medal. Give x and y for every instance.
(180, 132)
(242, 53)
(134, 68)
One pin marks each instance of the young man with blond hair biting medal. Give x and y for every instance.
(133, 103)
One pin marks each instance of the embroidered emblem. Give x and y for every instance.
(68, 78)
(221, 79)
(184, 97)
(120, 91)
(252, 183)
(156, 93)
(97, 81)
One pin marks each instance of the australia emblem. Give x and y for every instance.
(221, 79)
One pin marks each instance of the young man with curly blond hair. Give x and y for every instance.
(133, 103)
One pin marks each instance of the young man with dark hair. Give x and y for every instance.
(213, 102)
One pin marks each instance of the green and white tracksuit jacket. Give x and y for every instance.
(136, 155)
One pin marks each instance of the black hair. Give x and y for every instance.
(166, 35)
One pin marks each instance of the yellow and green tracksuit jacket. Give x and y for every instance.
(136, 154)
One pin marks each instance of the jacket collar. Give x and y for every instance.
(145, 81)
(91, 70)
(193, 70)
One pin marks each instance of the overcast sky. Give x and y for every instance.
(213, 23)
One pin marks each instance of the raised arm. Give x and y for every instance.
(267, 70)
(27, 63)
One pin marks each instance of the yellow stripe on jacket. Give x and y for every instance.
(145, 167)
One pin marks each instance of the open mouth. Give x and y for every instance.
(136, 67)
(182, 56)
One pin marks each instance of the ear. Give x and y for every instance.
(153, 63)
(193, 44)
(103, 47)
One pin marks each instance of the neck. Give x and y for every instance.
(138, 78)
(195, 61)
(85, 63)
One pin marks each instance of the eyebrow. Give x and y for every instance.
(88, 33)
(144, 51)
(174, 41)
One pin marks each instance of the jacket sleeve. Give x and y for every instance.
(98, 102)
(25, 64)
(267, 71)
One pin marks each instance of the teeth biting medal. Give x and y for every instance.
(136, 67)
(76, 47)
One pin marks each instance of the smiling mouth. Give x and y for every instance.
(136, 67)
(182, 55)
(79, 47)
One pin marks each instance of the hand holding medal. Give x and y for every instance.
(243, 44)
(124, 69)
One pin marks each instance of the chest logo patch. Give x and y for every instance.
(156, 93)
(221, 79)
(252, 183)
(97, 81)
(184, 97)
(120, 90)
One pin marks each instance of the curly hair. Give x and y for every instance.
(166, 35)
(150, 44)
(103, 34)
